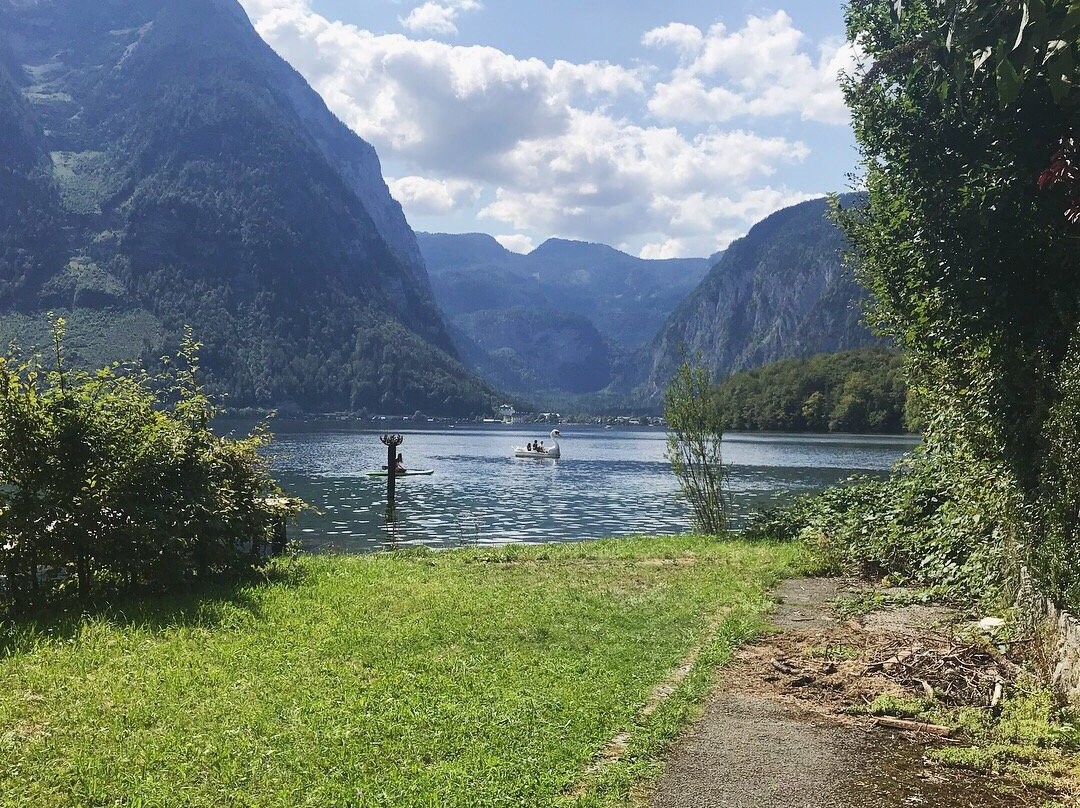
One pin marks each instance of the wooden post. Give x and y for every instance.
(392, 442)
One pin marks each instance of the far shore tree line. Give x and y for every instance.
(859, 391)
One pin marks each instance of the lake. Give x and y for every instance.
(609, 482)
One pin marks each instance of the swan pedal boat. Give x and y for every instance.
(426, 473)
(553, 453)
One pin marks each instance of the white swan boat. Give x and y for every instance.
(551, 452)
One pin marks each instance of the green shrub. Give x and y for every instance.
(939, 520)
(695, 438)
(968, 245)
(113, 480)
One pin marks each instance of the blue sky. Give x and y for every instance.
(663, 129)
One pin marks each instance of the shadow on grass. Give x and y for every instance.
(217, 603)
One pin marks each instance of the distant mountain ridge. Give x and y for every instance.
(625, 296)
(160, 165)
(781, 292)
(558, 319)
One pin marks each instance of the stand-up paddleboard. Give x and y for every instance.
(426, 473)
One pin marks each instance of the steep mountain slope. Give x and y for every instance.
(781, 292)
(31, 234)
(185, 174)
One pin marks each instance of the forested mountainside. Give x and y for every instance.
(860, 391)
(160, 165)
(558, 318)
(783, 291)
(534, 350)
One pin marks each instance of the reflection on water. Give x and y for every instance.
(608, 482)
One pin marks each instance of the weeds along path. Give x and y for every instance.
(775, 734)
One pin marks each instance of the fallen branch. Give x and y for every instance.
(912, 726)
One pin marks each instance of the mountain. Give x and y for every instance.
(535, 350)
(783, 291)
(556, 320)
(627, 298)
(161, 166)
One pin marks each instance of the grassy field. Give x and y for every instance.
(467, 678)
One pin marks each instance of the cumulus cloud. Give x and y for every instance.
(604, 179)
(438, 18)
(540, 141)
(516, 242)
(259, 8)
(435, 104)
(430, 197)
(686, 38)
(701, 222)
(759, 70)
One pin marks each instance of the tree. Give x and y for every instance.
(958, 109)
(695, 435)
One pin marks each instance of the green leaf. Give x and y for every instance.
(943, 91)
(1059, 74)
(1071, 20)
(982, 57)
(1008, 82)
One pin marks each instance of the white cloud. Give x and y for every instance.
(668, 248)
(541, 142)
(759, 70)
(429, 197)
(687, 38)
(259, 8)
(516, 242)
(434, 104)
(701, 222)
(438, 18)
(604, 179)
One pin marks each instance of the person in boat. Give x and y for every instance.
(399, 465)
(540, 448)
(529, 448)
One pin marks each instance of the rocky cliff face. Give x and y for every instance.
(781, 292)
(182, 173)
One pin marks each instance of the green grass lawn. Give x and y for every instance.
(466, 678)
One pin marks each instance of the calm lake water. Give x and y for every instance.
(609, 482)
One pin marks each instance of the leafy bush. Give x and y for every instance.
(113, 480)
(1055, 552)
(939, 520)
(964, 114)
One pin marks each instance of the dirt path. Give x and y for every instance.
(773, 736)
